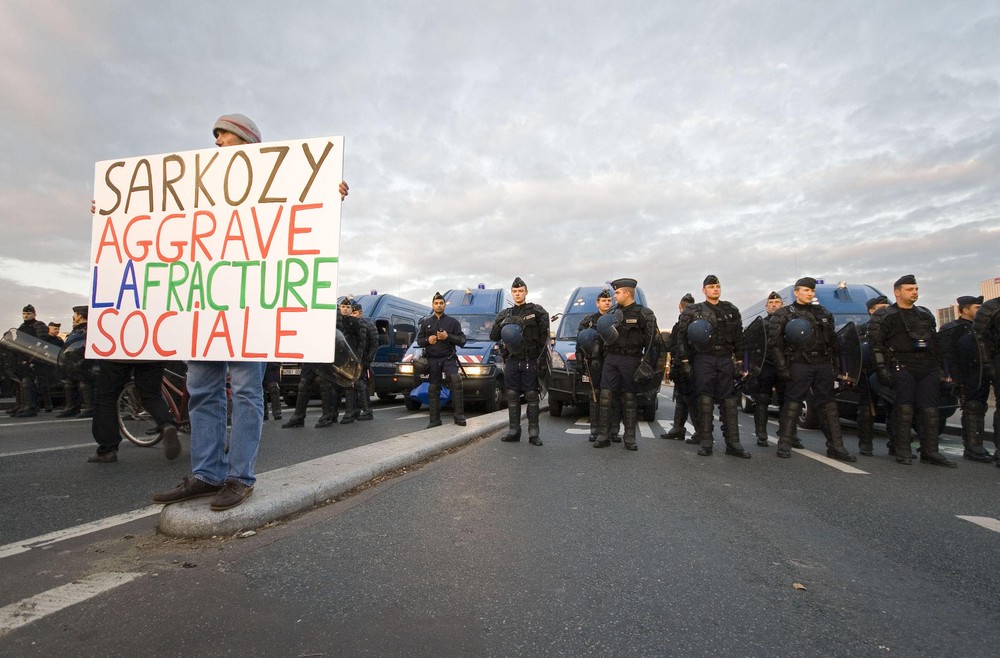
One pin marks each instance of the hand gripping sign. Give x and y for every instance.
(223, 254)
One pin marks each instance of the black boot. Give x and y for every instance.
(677, 431)
(616, 419)
(605, 419)
(458, 400)
(364, 401)
(350, 397)
(71, 408)
(533, 400)
(788, 419)
(274, 393)
(513, 417)
(329, 415)
(703, 418)
(866, 427)
(298, 418)
(630, 416)
(761, 403)
(830, 423)
(86, 400)
(731, 429)
(973, 426)
(902, 422)
(929, 435)
(434, 402)
(594, 416)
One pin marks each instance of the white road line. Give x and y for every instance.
(984, 521)
(43, 541)
(823, 459)
(36, 450)
(573, 430)
(645, 430)
(31, 609)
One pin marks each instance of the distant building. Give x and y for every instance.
(990, 288)
(947, 314)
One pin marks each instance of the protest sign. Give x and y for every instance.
(224, 254)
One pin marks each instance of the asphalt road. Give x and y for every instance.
(507, 549)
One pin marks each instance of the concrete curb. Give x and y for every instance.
(286, 491)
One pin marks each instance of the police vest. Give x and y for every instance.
(822, 336)
(726, 330)
(631, 331)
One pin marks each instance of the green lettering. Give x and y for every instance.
(148, 282)
(291, 284)
(208, 287)
(321, 284)
(173, 282)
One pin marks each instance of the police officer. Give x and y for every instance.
(866, 397)
(356, 335)
(439, 335)
(523, 330)
(29, 374)
(987, 327)
(590, 354)
(908, 360)
(369, 345)
(767, 379)
(805, 349)
(974, 401)
(627, 364)
(682, 386)
(78, 387)
(709, 340)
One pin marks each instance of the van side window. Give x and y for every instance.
(406, 330)
(382, 326)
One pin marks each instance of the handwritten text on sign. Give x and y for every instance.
(218, 254)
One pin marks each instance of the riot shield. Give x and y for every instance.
(346, 366)
(544, 371)
(960, 352)
(851, 355)
(754, 355)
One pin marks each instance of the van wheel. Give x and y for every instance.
(411, 404)
(495, 400)
(809, 419)
(555, 408)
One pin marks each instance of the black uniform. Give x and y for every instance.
(907, 359)
(637, 333)
(79, 386)
(987, 328)
(369, 340)
(712, 370)
(592, 364)
(807, 365)
(442, 359)
(32, 376)
(521, 368)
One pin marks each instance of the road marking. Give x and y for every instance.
(645, 430)
(43, 541)
(34, 608)
(823, 459)
(37, 450)
(983, 521)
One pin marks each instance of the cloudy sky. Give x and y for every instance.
(566, 142)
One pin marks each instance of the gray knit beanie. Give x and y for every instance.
(240, 125)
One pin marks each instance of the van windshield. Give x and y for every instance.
(568, 326)
(475, 326)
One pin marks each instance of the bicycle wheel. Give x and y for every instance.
(136, 424)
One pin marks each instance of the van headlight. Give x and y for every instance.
(557, 361)
(476, 371)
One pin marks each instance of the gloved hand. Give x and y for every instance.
(884, 377)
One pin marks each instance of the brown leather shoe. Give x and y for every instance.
(233, 493)
(190, 487)
(103, 457)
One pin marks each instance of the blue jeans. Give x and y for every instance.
(206, 384)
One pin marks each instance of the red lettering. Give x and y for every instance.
(109, 227)
(279, 332)
(103, 332)
(293, 231)
(237, 237)
(145, 333)
(194, 335)
(141, 243)
(220, 320)
(265, 247)
(179, 244)
(196, 236)
(243, 347)
(156, 333)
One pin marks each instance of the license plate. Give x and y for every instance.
(291, 371)
(586, 379)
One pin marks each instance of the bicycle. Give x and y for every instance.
(137, 425)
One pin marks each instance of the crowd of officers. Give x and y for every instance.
(797, 357)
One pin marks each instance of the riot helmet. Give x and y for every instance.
(798, 331)
(699, 332)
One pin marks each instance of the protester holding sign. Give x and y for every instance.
(228, 475)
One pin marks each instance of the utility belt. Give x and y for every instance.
(810, 356)
(624, 351)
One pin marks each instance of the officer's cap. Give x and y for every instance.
(55, 324)
(774, 295)
(688, 298)
(437, 296)
(80, 310)
(969, 300)
(355, 306)
(806, 282)
(905, 280)
(624, 283)
(875, 301)
(518, 283)
(604, 294)
(28, 309)
(710, 280)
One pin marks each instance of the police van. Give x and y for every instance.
(847, 303)
(396, 321)
(480, 362)
(570, 385)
